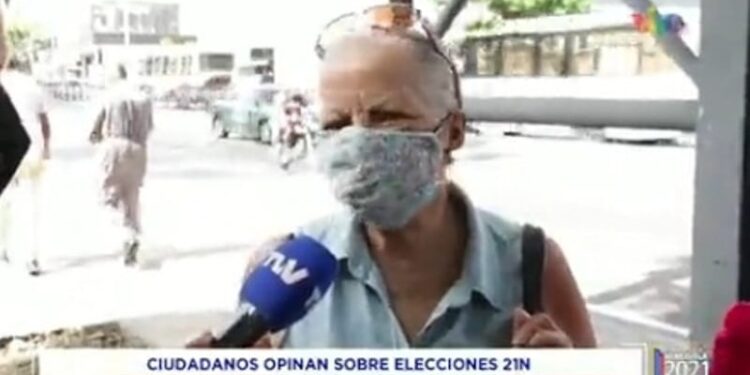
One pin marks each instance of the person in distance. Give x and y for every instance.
(420, 265)
(29, 100)
(122, 130)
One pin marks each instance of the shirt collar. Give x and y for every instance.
(485, 264)
(483, 269)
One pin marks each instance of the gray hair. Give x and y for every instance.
(439, 74)
(437, 79)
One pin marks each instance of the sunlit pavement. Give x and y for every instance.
(622, 213)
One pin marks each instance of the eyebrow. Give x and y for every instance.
(338, 118)
(382, 110)
(337, 122)
(335, 119)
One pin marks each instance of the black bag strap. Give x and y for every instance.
(532, 265)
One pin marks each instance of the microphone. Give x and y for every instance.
(280, 291)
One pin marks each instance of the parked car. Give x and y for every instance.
(246, 113)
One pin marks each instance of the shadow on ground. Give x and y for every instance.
(60, 265)
(173, 331)
(662, 297)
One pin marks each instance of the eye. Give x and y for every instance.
(381, 115)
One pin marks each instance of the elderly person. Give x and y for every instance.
(420, 265)
(123, 127)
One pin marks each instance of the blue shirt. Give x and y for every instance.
(476, 312)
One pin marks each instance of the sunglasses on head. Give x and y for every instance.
(389, 18)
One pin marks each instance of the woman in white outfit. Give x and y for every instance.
(22, 202)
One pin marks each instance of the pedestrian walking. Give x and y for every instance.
(21, 209)
(122, 129)
(14, 141)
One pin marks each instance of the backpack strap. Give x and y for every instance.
(532, 265)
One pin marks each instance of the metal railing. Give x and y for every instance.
(675, 114)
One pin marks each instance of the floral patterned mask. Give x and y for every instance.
(384, 176)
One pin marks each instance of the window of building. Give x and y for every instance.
(149, 66)
(119, 20)
(155, 66)
(216, 62)
(186, 65)
(261, 54)
(174, 65)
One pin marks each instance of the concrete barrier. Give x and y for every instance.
(674, 114)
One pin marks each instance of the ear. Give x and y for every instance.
(456, 130)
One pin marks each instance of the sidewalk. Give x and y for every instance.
(167, 305)
(197, 237)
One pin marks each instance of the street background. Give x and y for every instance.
(621, 212)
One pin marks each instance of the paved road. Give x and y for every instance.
(621, 212)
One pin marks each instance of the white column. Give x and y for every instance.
(719, 163)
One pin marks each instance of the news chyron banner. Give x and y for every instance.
(629, 361)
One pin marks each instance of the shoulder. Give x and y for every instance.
(263, 250)
(326, 230)
(496, 230)
(501, 232)
(326, 225)
(334, 231)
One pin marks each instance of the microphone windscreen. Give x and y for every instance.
(290, 281)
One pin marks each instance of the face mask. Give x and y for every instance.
(384, 176)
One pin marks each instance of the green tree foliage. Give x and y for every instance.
(24, 41)
(510, 9)
(484, 24)
(20, 37)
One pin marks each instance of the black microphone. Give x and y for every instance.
(280, 292)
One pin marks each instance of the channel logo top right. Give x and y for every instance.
(658, 25)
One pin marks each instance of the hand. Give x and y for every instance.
(204, 342)
(538, 331)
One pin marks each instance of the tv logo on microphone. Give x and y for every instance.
(286, 268)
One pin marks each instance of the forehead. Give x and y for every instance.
(363, 72)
